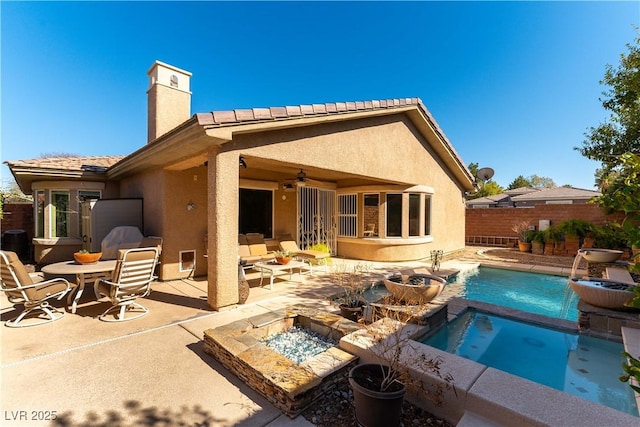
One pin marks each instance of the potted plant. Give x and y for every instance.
(537, 242)
(521, 228)
(283, 257)
(574, 231)
(393, 363)
(354, 282)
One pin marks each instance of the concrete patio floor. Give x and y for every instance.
(148, 371)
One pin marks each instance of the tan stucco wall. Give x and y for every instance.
(165, 197)
(385, 148)
(388, 148)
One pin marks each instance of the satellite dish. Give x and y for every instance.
(485, 174)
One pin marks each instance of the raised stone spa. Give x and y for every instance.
(289, 386)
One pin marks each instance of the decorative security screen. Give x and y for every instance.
(348, 215)
(316, 218)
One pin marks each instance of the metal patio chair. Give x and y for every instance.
(130, 280)
(30, 290)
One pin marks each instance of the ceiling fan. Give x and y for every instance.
(299, 181)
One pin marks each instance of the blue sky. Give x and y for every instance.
(514, 85)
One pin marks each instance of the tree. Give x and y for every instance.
(519, 182)
(621, 132)
(486, 188)
(541, 181)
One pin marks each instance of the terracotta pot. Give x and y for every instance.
(87, 258)
(375, 408)
(283, 260)
(537, 248)
(524, 247)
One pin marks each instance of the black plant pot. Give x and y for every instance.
(351, 313)
(375, 408)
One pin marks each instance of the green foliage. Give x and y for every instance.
(553, 234)
(621, 188)
(575, 227)
(537, 236)
(621, 132)
(322, 247)
(631, 370)
(621, 192)
(485, 188)
(541, 181)
(611, 235)
(519, 182)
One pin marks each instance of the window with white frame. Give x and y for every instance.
(427, 215)
(414, 214)
(39, 214)
(60, 213)
(348, 215)
(394, 215)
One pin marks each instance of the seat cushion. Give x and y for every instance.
(42, 292)
(289, 246)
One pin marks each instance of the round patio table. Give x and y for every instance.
(83, 273)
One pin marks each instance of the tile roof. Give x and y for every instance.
(556, 193)
(274, 113)
(81, 163)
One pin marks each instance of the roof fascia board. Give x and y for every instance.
(181, 143)
(444, 149)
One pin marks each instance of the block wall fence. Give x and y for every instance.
(17, 216)
(492, 226)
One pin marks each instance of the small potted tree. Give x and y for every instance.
(354, 281)
(393, 364)
(521, 228)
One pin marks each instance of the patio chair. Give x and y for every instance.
(370, 231)
(130, 280)
(252, 248)
(151, 242)
(287, 243)
(30, 290)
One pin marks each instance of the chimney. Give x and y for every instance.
(168, 97)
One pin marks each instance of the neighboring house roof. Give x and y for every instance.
(218, 127)
(557, 193)
(58, 168)
(521, 190)
(489, 200)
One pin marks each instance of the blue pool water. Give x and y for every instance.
(531, 292)
(580, 365)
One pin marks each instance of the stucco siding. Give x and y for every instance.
(385, 148)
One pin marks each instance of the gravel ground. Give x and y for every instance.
(335, 409)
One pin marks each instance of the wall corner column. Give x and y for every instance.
(222, 224)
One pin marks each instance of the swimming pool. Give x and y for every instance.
(531, 292)
(579, 365)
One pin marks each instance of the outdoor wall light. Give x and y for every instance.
(191, 206)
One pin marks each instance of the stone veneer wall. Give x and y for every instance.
(288, 386)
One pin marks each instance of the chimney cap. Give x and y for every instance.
(157, 64)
